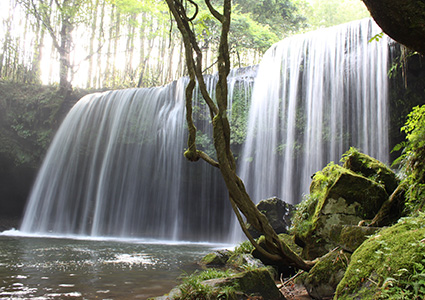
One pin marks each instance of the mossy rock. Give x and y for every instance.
(216, 259)
(239, 261)
(339, 197)
(281, 268)
(250, 283)
(389, 265)
(371, 168)
(353, 236)
(323, 278)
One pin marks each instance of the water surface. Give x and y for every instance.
(54, 268)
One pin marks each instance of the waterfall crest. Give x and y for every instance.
(315, 95)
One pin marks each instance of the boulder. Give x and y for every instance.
(371, 168)
(277, 212)
(353, 236)
(389, 265)
(217, 258)
(338, 197)
(242, 260)
(250, 284)
(322, 280)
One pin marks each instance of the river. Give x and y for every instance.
(63, 268)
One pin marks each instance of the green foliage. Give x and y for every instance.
(377, 37)
(412, 160)
(28, 117)
(302, 222)
(334, 12)
(192, 287)
(244, 248)
(249, 34)
(282, 17)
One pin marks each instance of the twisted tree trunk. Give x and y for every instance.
(275, 249)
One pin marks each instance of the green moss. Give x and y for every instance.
(352, 236)
(371, 168)
(215, 284)
(323, 278)
(338, 197)
(252, 282)
(218, 258)
(382, 267)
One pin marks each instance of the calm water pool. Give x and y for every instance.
(54, 268)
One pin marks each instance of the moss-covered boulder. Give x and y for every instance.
(216, 259)
(277, 212)
(214, 284)
(389, 265)
(323, 278)
(371, 168)
(242, 260)
(338, 197)
(353, 236)
(251, 283)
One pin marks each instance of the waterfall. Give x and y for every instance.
(115, 168)
(315, 95)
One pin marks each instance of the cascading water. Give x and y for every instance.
(116, 166)
(315, 95)
(116, 169)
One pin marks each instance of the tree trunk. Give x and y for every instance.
(107, 73)
(275, 249)
(128, 71)
(91, 44)
(402, 20)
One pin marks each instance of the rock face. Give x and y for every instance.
(339, 197)
(278, 212)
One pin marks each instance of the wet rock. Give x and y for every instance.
(277, 212)
(216, 259)
(323, 279)
(252, 283)
(239, 261)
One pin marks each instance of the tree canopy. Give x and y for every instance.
(127, 43)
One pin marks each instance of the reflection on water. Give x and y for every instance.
(46, 268)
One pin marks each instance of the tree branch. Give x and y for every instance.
(208, 159)
(249, 236)
(214, 12)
